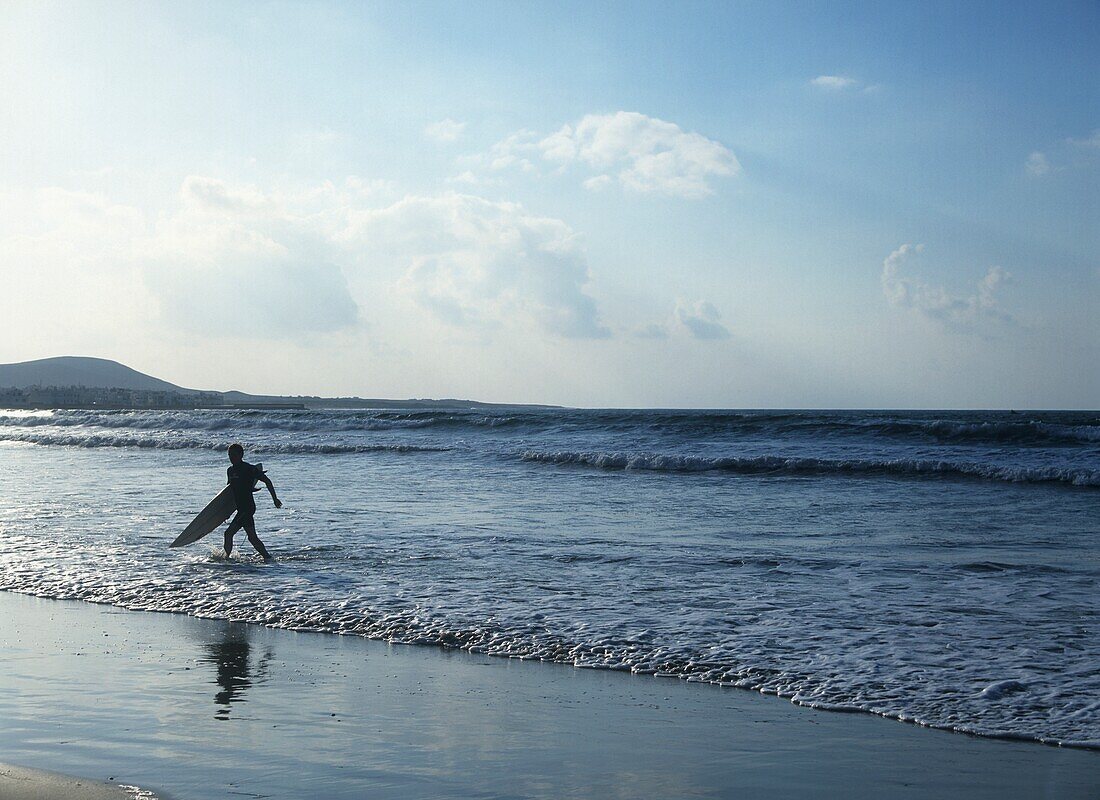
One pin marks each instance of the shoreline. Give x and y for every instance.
(23, 783)
(687, 678)
(200, 708)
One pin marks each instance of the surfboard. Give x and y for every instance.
(216, 512)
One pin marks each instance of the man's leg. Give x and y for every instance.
(250, 527)
(234, 526)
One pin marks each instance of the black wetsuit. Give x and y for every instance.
(242, 477)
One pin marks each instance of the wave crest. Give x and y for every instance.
(993, 429)
(185, 443)
(785, 465)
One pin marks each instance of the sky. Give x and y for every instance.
(740, 205)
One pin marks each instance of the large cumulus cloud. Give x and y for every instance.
(227, 260)
(473, 262)
(643, 154)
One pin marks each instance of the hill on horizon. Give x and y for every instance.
(103, 373)
(85, 371)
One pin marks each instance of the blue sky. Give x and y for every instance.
(741, 205)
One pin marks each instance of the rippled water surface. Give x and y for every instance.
(937, 567)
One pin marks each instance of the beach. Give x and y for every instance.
(191, 708)
(935, 567)
(21, 783)
(556, 603)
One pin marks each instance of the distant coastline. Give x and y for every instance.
(152, 406)
(84, 383)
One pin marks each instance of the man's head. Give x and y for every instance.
(236, 453)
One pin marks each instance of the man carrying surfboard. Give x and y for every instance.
(242, 477)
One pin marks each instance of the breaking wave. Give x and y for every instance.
(992, 429)
(185, 443)
(291, 421)
(780, 465)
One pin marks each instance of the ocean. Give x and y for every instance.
(935, 567)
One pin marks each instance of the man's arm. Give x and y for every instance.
(271, 488)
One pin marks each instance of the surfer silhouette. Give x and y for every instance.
(242, 476)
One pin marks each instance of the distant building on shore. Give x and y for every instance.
(92, 397)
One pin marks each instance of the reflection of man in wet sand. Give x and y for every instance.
(231, 658)
(231, 655)
(242, 476)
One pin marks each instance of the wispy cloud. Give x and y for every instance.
(56, 228)
(1037, 164)
(1088, 141)
(957, 311)
(700, 319)
(843, 84)
(598, 183)
(446, 130)
(219, 260)
(833, 83)
(653, 330)
(274, 274)
(515, 151)
(1064, 155)
(470, 178)
(210, 194)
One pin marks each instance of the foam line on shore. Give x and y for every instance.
(215, 709)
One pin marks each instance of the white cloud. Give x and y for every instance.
(597, 183)
(480, 264)
(1037, 164)
(74, 219)
(282, 259)
(221, 259)
(54, 239)
(654, 330)
(66, 259)
(317, 137)
(467, 261)
(700, 319)
(471, 178)
(645, 154)
(513, 151)
(1090, 141)
(935, 302)
(446, 130)
(235, 261)
(211, 194)
(651, 155)
(1068, 154)
(833, 83)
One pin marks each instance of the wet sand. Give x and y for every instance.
(201, 709)
(20, 783)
